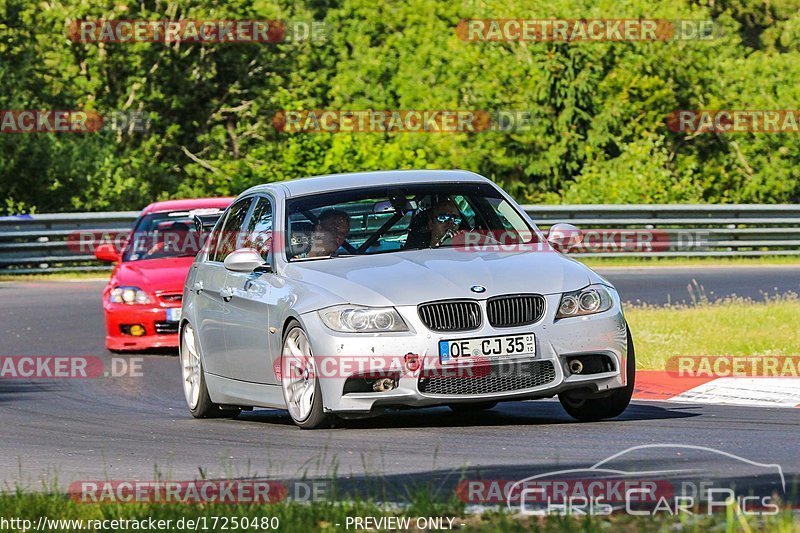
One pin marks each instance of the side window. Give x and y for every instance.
(230, 237)
(508, 216)
(259, 230)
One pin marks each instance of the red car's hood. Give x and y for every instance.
(154, 275)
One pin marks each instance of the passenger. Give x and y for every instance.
(330, 233)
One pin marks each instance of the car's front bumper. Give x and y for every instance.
(158, 332)
(601, 334)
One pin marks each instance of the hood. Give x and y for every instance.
(166, 274)
(408, 278)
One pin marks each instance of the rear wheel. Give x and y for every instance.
(300, 382)
(194, 381)
(471, 407)
(593, 409)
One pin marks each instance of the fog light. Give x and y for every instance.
(383, 385)
(137, 330)
(412, 361)
(576, 366)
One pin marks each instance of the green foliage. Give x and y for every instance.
(639, 175)
(597, 130)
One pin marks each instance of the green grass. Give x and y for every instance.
(57, 276)
(600, 262)
(324, 516)
(733, 326)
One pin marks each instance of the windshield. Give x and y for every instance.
(414, 217)
(168, 234)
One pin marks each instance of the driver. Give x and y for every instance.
(329, 233)
(172, 242)
(444, 221)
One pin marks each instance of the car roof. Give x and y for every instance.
(356, 180)
(183, 205)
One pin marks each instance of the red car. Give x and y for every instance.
(142, 301)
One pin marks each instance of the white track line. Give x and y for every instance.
(768, 392)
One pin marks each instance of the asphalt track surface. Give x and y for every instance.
(659, 286)
(139, 428)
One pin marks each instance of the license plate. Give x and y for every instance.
(174, 314)
(453, 351)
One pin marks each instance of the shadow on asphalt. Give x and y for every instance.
(505, 414)
(11, 389)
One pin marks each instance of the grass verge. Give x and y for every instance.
(733, 326)
(63, 514)
(57, 276)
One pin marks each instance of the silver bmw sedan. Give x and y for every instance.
(353, 294)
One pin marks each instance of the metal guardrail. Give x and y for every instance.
(50, 242)
(689, 230)
(46, 243)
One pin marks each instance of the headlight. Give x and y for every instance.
(128, 295)
(593, 299)
(356, 319)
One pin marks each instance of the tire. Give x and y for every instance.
(194, 380)
(299, 380)
(613, 405)
(471, 407)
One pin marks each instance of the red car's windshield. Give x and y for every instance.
(168, 234)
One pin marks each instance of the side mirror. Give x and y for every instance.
(562, 236)
(107, 252)
(245, 260)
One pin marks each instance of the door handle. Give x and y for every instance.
(197, 287)
(226, 293)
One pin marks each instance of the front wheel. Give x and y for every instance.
(194, 380)
(593, 409)
(299, 380)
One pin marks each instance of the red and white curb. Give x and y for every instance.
(658, 385)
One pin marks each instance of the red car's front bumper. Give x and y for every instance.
(158, 331)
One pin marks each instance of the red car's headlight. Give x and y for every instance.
(128, 295)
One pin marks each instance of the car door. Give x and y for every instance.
(248, 310)
(208, 287)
